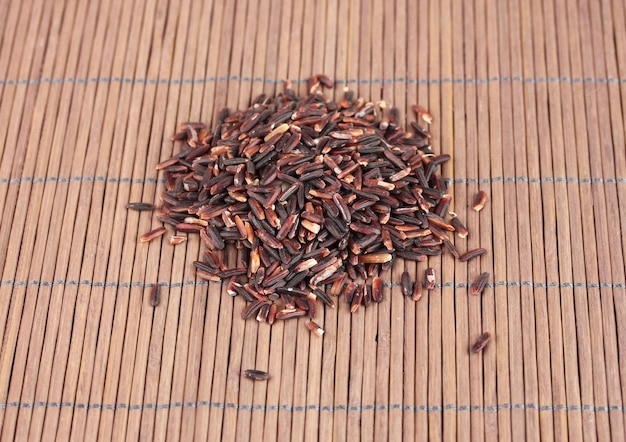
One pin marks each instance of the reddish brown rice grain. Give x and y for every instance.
(480, 201)
(315, 328)
(149, 236)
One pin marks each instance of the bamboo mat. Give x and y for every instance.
(527, 98)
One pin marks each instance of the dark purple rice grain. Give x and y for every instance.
(479, 284)
(472, 254)
(155, 295)
(141, 206)
(481, 342)
(256, 375)
(407, 285)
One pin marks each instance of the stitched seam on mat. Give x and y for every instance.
(328, 408)
(497, 179)
(454, 285)
(246, 79)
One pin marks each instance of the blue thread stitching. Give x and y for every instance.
(81, 179)
(496, 179)
(245, 79)
(171, 285)
(304, 408)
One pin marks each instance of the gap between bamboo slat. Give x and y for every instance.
(463, 151)
(202, 109)
(507, 252)
(23, 108)
(605, 205)
(252, 330)
(537, 150)
(32, 321)
(30, 200)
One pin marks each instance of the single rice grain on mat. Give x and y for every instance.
(406, 284)
(472, 254)
(356, 299)
(377, 289)
(367, 295)
(421, 112)
(155, 295)
(146, 237)
(417, 291)
(177, 239)
(459, 227)
(315, 328)
(141, 206)
(263, 314)
(256, 375)
(430, 281)
(481, 342)
(479, 284)
(480, 201)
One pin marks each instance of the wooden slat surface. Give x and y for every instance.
(528, 98)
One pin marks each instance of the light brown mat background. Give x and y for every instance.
(527, 96)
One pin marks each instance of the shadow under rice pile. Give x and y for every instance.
(319, 197)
